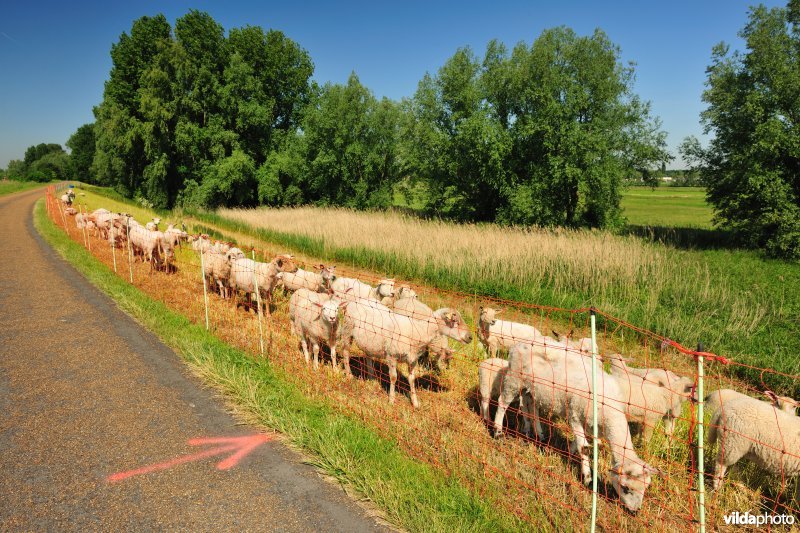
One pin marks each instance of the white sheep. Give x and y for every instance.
(200, 243)
(245, 273)
(563, 389)
(175, 236)
(306, 279)
(217, 268)
(756, 430)
(495, 334)
(491, 373)
(438, 350)
(153, 224)
(315, 320)
(646, 402)
(351, 289)
(391, 337)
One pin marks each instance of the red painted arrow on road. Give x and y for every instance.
(241, 446)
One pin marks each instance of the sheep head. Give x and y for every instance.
(386, 288)
(631, 481)
(452, 325)
(488, 314)
(784, 403)
(285, 263)
(405, 292)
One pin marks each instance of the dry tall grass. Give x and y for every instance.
(622, 275)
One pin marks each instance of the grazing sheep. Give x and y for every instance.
(491, 373)
(563, 389)
(246, 272)
(756, 430)
(495, 334)
(315, 320)
(646, 402)
(391, 337)
(305, 279)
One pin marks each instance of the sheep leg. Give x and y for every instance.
(371, 368)
(411, 379)
(333, 358)
(304, 344)
(530, 413)
(648, 426)
(346, 359)
(726, 458)
(506, 397)
(392, 377)
(485, 407)
(316, 355)
(580, 447)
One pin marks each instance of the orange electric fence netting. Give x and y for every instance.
(536, 472)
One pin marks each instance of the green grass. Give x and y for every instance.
(682, 207)
(413, 495)
(8, 186)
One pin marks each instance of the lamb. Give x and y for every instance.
(386, 335)
(245, 273)
(755, 430)
(305, 279)
(495, 334)
(315, 320)
(563, 388)
(646, 402)
(491, 373)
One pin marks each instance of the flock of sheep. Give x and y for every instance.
(550, 376)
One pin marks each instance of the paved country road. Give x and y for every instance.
(85, 392)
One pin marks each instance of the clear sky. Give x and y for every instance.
(54, 55)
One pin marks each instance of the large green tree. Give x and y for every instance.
(181, 112)
(82, 146)
(542, 135)
(752, 165)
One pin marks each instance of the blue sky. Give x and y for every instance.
(54, 56)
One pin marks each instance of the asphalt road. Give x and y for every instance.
(85, 392)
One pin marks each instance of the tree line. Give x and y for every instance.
(540, 134)
(545, 133)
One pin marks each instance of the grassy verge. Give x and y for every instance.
(8, 186)
(411, 494)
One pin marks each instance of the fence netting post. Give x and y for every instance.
(701, 486)
(205, 289)
(594, 420)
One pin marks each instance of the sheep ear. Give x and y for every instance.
(498, 311)
(317, 304)
(771, 395)
(653, 471)
(279, 262)
(480, 309)
(342, 304)
(555, 334)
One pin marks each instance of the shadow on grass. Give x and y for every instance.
(684, 238)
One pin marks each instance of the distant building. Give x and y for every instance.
(666, 179)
